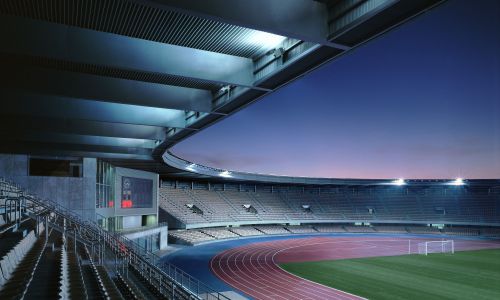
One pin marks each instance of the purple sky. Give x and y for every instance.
(423, 101)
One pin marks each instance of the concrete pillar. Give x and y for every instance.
(163, 239)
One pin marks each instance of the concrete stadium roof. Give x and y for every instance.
(125, 80)
(189, 170)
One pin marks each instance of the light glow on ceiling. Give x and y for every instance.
(265, 39)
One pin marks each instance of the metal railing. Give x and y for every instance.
(111, 249)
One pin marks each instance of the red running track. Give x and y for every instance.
(253, 269)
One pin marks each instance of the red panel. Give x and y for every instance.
(126, 203)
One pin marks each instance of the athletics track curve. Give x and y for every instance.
(253, 268)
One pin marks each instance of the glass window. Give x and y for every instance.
(105, 177)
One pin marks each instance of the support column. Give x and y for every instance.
(46, 227)
(37, 232)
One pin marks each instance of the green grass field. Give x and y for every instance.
(463, 275)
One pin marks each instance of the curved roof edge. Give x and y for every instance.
(200, 171)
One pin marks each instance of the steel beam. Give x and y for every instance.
(74, 150)
(354, 21)
(299, 19)
(350, 13)
(100, 88)
(80, 147)
(22, 103)
(17, 124)
(43, 39)
(50, 137)
(298, 62)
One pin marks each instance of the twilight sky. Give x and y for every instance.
(422, 101)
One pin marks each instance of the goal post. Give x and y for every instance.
(447, 246)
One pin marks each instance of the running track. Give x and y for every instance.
(253, 268)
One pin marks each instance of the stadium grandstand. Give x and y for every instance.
(94, 205)
(435, 207)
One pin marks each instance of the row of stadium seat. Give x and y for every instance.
(190, 236)
(48, 280)
(49, 269)
(271, 229)
(196, 236)
(360, 205)
(219, 233)
(246, 231)
(19, 264)
(14, 256)
(462, 231)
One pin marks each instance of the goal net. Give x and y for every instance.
(447, 246)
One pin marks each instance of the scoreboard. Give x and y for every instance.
(137, 192)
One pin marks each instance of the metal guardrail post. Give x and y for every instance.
(46, 228)
(37, 228)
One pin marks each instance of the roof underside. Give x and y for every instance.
(125, 80)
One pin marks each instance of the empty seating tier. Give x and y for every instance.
(272, 229)
(228, 207)
(190, 237)
(246, 231)
(219, 233)
(301, 229)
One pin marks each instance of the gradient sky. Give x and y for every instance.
(422, 101)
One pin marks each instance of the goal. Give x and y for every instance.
(447, 246)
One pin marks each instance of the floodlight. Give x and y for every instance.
(458, 181)
(399, 181)
(191, 167)
(225, 174)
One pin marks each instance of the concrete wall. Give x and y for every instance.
(77, 194)
(162, 232)
(13, 165)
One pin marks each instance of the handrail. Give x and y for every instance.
(147, 227)
(134, 254)
(187, 281)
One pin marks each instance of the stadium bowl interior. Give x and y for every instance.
(94, 204)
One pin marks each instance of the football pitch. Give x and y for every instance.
(463, 275)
